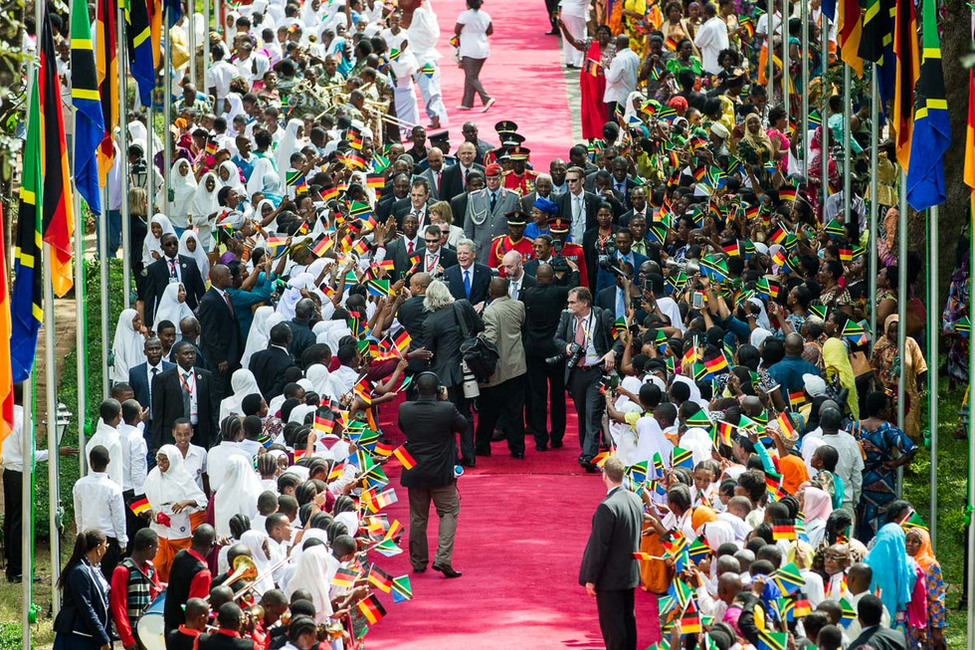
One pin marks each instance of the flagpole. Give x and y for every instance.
(103, 286)
(804, 118)
(123, 77)
(874, 162)
(847, 120)
(824, 97)
(167, 106)
(933, 331)
(191, 37)
(206, 40)
(769, 49)
(786, 104)
(150, 159)
(901, 306)
(26, 512)
(81, 342)
(970, 578)
(51, 388)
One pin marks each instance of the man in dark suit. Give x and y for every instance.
(467, 279)
(513, 264)
(458, 204)
(220, 339)
(172, 267)
(401, 249)
(455, 178)
(622, 183)
(183, 392)
(141, 376)
(302, 337)
(433, 174)
(434, 258)
(638, 206)
(870, 611)
(417, 203)
(401, 190)
(609, 571)
(543, 188)
(412, 314)
(577, 206)
(624, 253)
(591, 328)
(269, 365)
(431, 424)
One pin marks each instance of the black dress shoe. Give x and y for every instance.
(486, 452)
(447, 571)
(557, 444)
(419, 569)
(498, 436)
(518, 455)
(591, 469)
(552, 32)
(541, 447)
(468, 462)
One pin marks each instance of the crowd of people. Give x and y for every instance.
(677, 275)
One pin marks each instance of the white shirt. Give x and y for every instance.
(514, 286)
(250, 447)
(344, 378)
(195, 462)
(588, 325)
(172, 266)
(110, 439)
(133, 458)
(761, 27)
(849, 467)
(13, 459)
(711, 38)
(578, 205)
(431, 261)
(668, 307)
(621, 76)
(473, 38)
(424, 32)
(578, 8)
(98, 505)
(217, 459)
(219, 76)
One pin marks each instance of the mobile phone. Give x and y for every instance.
(697, 300)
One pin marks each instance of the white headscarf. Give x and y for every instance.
(184, 189)
(291, 295)
(259, 215)
(321, 379)
(175, 485)
(264, 178)
(299, 412)
(128, 347)
(259, 335)
(242, 382)
(236, 108)
(153, 244)
(288, 145)
(236, 495)
(233, 177)
(170, 308)
(199, 255)
(254, 540)
(314, 571)
(205, 201)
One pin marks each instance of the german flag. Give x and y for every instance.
(394, 531)
(336, 472)
(690, 621)
(788, 194)
(404, 457)
(785, 425)
(907, 74)
(849, 33)
(345, 577)
(402, 341)
(322, 246)
(671, 44)
(89, 121)
(716, 364)
(324, 423)
(383, 449)
(846, 254)
(725, 430)
(732, 249)
(784, 530)
(330, 193)
(376, 181)
(354, 136)
(363, 390)
(140, 506)
(592, 67)
(380, 579)
(778, 235)
(106, 64)
(57, 210)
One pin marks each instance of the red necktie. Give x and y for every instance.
(409, 248)
(230, 306)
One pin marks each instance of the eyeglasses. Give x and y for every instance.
(433, 241)
(572, 180)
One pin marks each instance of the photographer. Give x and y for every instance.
(623, 250)
(584, 339)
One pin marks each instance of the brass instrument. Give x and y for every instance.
(256, 577)
(244, 568)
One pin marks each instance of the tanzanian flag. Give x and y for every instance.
(89, 121)
(932, 131)
(140, 47)
(402, 590)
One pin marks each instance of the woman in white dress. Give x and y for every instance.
(128, 347)
(236, 495)
(172, 305)
(190, 246)
(242, 382)
(173, 493)
(184, 189)
(205, 206)
(152, 250)
(260, 333)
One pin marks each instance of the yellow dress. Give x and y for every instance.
(636, 31)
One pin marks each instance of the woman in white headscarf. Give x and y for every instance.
(152, 250)
(190, 246)
(291, 295)
(236, 108)
(172, 305)
(321, 379)
(816, 508)
(204, 205)
(300, 412)
(173, 496)
(242, 383)
(290, 143)
(260, 332)
(229, 176)
(256, 541)
(237, 495)
(264, 178)
(314, 571)
(128, 347)
(183, 185)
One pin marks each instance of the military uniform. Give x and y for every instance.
(522, 184)
(503, 244)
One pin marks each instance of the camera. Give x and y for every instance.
(470, 382)
(559, 263)
(690, 267)
(571, 359)
(608, 263)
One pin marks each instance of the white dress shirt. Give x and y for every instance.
(13, 458)
(431, 261)
(195, 462)
(711, 38)
(621, 76)
(217, 459)
(514, 286)
(109, 438)
(172, 267)
(98, 505)
(133, 458)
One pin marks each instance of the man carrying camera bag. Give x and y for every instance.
(585, 342)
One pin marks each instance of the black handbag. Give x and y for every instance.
(480, 356)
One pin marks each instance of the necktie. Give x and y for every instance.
(172, 268)
(494, 200)
(620, 304)
(186, 393)
(580, 340)
(467, 284)
(409, 248)
(230, 305)
(154, 371)
(438, 181)
(463, 175)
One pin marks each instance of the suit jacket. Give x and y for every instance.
(589, 241)
(480, 279)
(167, 407)
(606, 298)
(452, 181)
(504, 320)
(139, 381)
(411, 315)
(544, 304)
(384, 207)
(219, 333)
(84, 609)
(443, 337)
(565, 208)
(430, 176)
(157, 279)
(880, 638)
(482, 225)
(458, 208)
(448, 258)
(626, 216)
(268, 367)
(527, 281)
(624, 196)
(301, 338)
(404, 206)
(396, 250)
(602, 333)
(430, 427)
(608, 560)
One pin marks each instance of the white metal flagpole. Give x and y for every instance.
(26, 512)
(123, 77)
(933, 331)
(51, 389)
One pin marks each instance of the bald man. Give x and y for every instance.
(220, 339)
(789, 371)
(455, 177)
(513, 266)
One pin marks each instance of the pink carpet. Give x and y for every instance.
(523, 74)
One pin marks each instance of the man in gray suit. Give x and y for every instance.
(504, 393)
(433, 174)
(486, 210)
(609, 571)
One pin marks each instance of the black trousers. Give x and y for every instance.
(111, 558)
(456, 395)
(546, 383)
(12, 529)
(133, 523)
(617, 620)
(552, 7)
(590, 405)
(502, 401)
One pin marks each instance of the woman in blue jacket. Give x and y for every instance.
(83, 622)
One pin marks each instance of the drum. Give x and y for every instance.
(151, 627)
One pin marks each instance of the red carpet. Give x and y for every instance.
(520, 536)
(523, 74)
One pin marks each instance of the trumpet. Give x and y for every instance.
(256, 577)
(244, 568)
